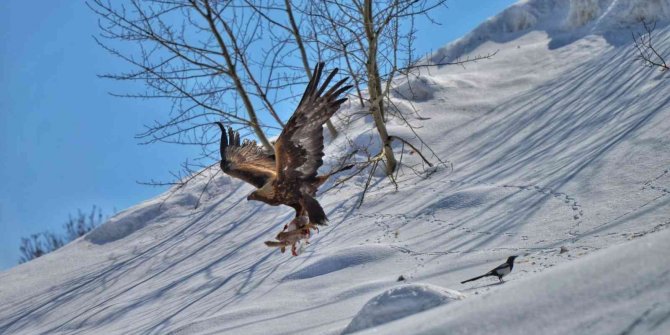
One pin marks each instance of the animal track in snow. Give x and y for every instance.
(652, 183)
(467, 202)
(567, 199)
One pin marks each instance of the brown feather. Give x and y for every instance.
(248, 161)
(299, 148)
(289, 177)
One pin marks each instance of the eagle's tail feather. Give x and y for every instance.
(314, 210)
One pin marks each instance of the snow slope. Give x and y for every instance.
(621, 290)
(559, 141)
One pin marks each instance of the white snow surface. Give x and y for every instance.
(399, 302)
(560, 153)
(621, 290)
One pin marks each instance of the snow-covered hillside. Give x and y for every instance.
(561, 154)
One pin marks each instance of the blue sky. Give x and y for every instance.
(66, 144)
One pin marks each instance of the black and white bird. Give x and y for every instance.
(500, 271)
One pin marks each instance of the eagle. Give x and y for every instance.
(288, 176)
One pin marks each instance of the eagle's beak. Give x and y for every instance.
(249, 197)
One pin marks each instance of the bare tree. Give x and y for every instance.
(235, 61)
(284, 27)
(81, 224)
(648, 54)
(198, 54)
(373, 40)
(40, 244)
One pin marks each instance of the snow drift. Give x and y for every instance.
(399, 302)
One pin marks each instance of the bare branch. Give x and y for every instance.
(647, 53)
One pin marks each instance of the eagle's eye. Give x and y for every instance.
(250, 197)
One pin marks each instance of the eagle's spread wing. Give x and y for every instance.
(246, 160)
(299, 148)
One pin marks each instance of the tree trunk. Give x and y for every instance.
(303, 56)
(375, 89)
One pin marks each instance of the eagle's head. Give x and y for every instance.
(252, 196)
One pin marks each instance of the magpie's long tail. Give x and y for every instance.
(475, 278)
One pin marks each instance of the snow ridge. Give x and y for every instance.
(574, 17)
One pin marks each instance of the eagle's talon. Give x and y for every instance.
(295, 234)
(279, 178)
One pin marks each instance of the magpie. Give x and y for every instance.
(501, 271)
